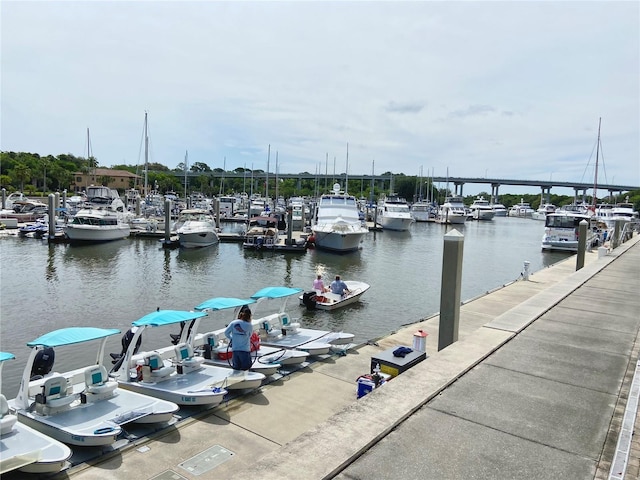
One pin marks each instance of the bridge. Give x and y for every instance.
(383, 181)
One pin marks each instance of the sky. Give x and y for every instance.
(465, 88)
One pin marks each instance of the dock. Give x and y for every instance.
(538, 385)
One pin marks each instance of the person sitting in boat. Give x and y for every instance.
(239, 332)
(339, 287)
(318, 285)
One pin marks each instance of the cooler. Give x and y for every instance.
(394, 366)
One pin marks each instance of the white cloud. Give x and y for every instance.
(510, 89)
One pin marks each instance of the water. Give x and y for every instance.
(46, 287)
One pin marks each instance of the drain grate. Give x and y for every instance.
(207, 460)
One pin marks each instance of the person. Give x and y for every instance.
(239, 332)
(318, 285)
(339, 287)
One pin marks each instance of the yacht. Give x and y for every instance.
(561, 231)
(423, 212)
(394, 214)
(543, 210)
(452, 211)
(196, 228)
(337, 226)
(499, 210)
(481, 210)
(620, 211)
(103, 218)
(522, 209)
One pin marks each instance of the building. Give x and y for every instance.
(121, 180)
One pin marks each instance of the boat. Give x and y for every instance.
(561, 231)
(330, 301)
(103, 218)
(278, 330)
(481, 210)
(522, 209)
(261, 233)
(84, 406)
(543, 210)
(337, 227)
(25, 211)
(423, 212)
(173, 372)
(452, 211)
(393, 214)
(22, 447)
(499, 210)
(196, 228)
(620, 211)
(217, 350)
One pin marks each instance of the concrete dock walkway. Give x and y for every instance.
(535, 388)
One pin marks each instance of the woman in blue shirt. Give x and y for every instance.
(239, 332)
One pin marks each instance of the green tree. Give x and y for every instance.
(22, 174)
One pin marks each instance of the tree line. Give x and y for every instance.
(34, 174)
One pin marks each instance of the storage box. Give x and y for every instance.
(394, 366)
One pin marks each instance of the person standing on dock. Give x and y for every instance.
(339, 287)
(239, 333)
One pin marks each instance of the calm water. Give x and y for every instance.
(46, 287)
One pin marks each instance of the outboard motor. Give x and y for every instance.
(117, 358)
(309, 300)
(43, 363)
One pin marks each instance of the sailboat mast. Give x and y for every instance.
(266, 183)
(186, 180)
(595, 178)
(346, 178)
(146, 157)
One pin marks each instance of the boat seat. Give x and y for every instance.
(185, 360)
(159, 371)
(99, 385)
(7, 421)
(54, 393)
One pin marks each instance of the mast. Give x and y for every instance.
(266, 183)
(595, 178)
(186, 169)
(276, 176)
(146, 158)
(346, 175)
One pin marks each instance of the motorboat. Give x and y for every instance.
(174, 372)
(499, 210)
(196, 228)
(337, 227)
(423, 212)
(103, 218)
(25, 210)
(84, 406)
(561, 231)
(543, 210)
(331, 301)
(620, 211)
(393, 214)
(217, 350)
(452, 211)
(261, 233)
(24, 448)
(522, 209)
(278, 330)
(481, 210)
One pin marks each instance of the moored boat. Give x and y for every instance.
(481, 210)
(393, 214)
(452, 211)
(196, 228)
(561, 231)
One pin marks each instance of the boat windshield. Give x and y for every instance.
(563, 221)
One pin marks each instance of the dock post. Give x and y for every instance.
(450, 288)
(304, 220)
(167, 222)
(64, 199)
(138, 200)
(617, 233)
(582, 244)
(52, 215)
(290, 223)
(4, 198)
(216, 209)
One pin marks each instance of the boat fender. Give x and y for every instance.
(255, 342)
(100, 431)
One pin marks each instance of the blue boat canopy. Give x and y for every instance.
(6, 356)
(275, 292)
(167, 317)
(71, 335)
(222, 303)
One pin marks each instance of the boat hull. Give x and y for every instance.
(96, 234)
(330, 301)
(28, 450)
(197, 239)
(338, 241)
(398, 224)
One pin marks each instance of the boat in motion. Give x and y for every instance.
(393, 214)
(84, 406)
(331, 301)
(196, 228)
(24, 448)
(102, 219)
(173, 372)
(337, 226)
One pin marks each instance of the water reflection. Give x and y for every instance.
(50, 272)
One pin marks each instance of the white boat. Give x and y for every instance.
(543, 210)
(25, 210)
(22, 447)
(522, 209)
(102, 218)
(217, 350)
(620, 211)
(262, 233)
(196, 228)
(173, 372)
(452, 211)
(332, 301)
(499, 210)
(561, 231)
(277, 329)
(337, 226)
(481, 210)
(393, 214)
(423, 212)
(81, 407)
